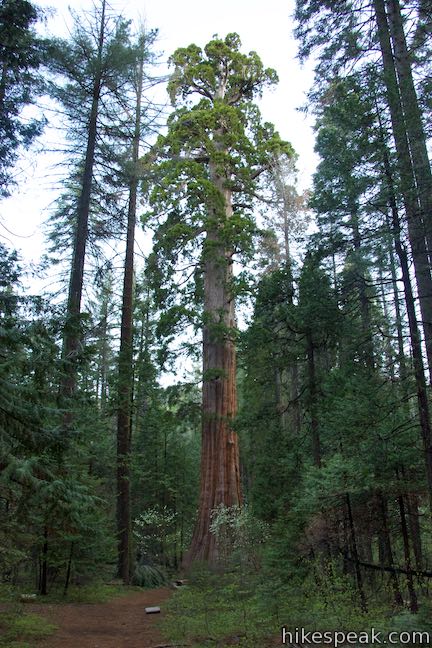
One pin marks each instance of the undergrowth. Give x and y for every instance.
(17, 629)
(97, 592)
(249, 611)
(216, 609)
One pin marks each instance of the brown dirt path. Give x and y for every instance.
(120, 623)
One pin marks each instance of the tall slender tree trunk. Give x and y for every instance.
(398, 315)
(125, 371)
(69, 569)
(287, 378)
(43, 587)
(419, 373)
(414, 527)
(413, 117)
(412, 507)
(220, 471)
(355, 555)
(416, 230)
(387, 330)
(407, 555)
(293, 373)
(102, 372)
(313, 398)
(368, 347)
(72, 327)
(422, 398)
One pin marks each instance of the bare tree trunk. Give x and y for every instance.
(3, 81)
(125, 371)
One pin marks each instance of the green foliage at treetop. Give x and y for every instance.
(216, 124)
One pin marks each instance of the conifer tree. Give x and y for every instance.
(93, 65)
(21, 56)
(209, 165)
(347, 31)
(125, 365)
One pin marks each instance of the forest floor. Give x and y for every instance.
(119, 623)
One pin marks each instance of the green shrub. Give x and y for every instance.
(149, 576)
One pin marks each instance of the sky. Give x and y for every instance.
(265, 27)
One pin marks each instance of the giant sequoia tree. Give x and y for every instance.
(209, 166)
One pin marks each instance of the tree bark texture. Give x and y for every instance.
(220, 472)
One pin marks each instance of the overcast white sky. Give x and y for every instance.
(265, 27)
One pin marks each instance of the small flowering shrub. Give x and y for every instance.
(240, 535)
(155, 533)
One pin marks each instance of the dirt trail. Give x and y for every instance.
(120, 623)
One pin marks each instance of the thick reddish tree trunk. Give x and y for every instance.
(220, 473)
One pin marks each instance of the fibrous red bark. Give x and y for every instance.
(220, 472)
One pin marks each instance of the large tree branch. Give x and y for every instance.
(239, 205)
(199, 157)
(255, 174)
(202, 91)
(254, 194)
